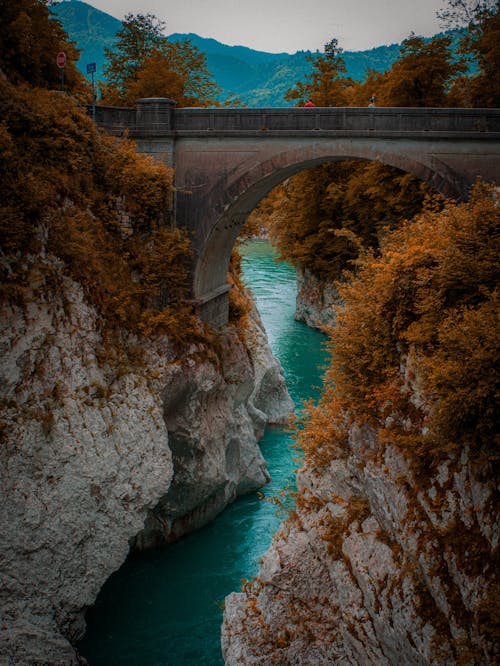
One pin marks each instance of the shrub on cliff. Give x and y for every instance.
(93, 202)
(414, 349)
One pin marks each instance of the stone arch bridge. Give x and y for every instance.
(226, 160)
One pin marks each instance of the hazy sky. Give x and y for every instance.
(290, 25)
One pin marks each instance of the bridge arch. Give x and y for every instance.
(233, 202)
(227, 159)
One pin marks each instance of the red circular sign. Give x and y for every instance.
(61, 59)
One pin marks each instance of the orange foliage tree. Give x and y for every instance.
(327, 84)
(144, 63)
(30, 39)
(320, 218)
(421, 317)
(95, 204)
(420, 77)
(484, 45)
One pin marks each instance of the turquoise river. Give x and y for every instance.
(164, 608)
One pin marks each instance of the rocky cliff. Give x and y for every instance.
(315, 300)
(373, 568)
(99, 435)
(392, 553)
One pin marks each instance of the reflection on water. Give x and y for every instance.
(164, 608)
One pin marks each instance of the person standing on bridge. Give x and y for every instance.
(371, 105)
(309, 103)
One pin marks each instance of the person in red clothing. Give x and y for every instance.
(309, 103)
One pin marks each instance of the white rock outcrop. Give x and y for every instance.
(92, 442)
(376, 567)
(215, 417)
(315, 300)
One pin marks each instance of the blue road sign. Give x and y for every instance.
(91, 68)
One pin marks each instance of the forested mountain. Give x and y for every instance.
(256, 78)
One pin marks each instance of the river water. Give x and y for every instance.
(164, 608)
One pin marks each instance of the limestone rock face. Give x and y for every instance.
(215, 417)
(269, 394)
(84, 455)
(93, 442)
(375, 567)
(315, 300)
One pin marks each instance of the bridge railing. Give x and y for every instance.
(158, 116)
(113, 118)
(337, 119)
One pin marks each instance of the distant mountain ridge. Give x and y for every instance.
(256, 78)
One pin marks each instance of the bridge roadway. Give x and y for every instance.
(226, 160)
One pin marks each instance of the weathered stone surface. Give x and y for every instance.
(84, 455)
(269, 394)
(315, 300)
(377, 567)
(90, 444)
(215, 418)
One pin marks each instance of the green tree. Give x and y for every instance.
(327, 84)
(30, 39)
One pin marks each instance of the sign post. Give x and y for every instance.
(91, 68)
(61, 63)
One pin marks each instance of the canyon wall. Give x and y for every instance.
(315, 300)
(376, 566)
(100, 433)
(391, 555)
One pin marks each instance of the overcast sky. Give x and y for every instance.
(290, 25)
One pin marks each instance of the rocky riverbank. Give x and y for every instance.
(98, 438)
(392, 553)
(372, 568)
(315, 300)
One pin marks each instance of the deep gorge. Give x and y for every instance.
(165, 607)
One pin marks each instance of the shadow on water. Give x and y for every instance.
(164, 608)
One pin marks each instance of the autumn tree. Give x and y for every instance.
(144, 63)
(156, 79)
(485, 46)
(422, 75)
(327, 84)
(431, 297)
(320, 218)
(190, 64)
(360, 92)
(30, 38)
(98, 208)
(138, 37)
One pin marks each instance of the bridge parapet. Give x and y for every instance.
(158, 116)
